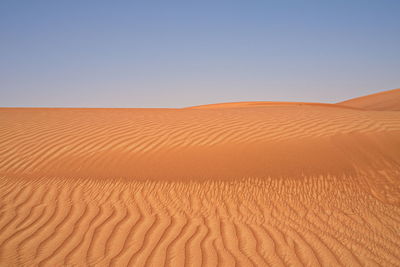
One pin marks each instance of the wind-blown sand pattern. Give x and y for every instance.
(387, 100)
(281, 184)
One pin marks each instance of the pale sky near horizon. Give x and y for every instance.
(185, 53)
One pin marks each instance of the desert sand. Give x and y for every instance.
(235, 184)
(386, 100)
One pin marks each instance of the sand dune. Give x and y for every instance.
(387, 100)
(242, 184)
(262, 103)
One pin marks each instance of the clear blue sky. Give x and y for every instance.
(183, 53)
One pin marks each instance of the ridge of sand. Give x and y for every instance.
(386, 100)
(195, 144)
(265, 185)
(252, 104)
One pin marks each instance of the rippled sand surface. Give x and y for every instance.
(254, 184)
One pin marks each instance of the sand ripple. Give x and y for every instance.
(258, 185)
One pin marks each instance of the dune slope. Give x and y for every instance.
(387, 100)
(253, 185)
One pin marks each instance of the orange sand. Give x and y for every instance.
(387, 100)
(246, 184)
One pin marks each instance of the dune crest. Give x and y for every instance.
(386, 100)
(253, 104)
(240, 184)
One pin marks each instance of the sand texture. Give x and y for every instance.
(387, 100)
(262, 184)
